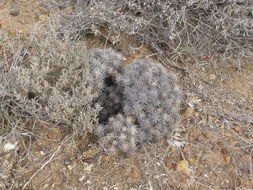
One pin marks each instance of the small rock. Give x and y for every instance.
(67, 162)
(208, 135)
(227, 159)
(232, 142)
(168, 163)
(215, 148)
(182, 166)
(37, 154)
(186, 149)
(70, 167)
(50, 135)
(10, 146)
(90, 160)
(212, 77)
(237, 129)
(81, 178)
(196, 114)
(14, 12)
(200, 138)
(224, 151)
(191, 134)
(185, 153)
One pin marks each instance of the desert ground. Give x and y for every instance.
(211, 149)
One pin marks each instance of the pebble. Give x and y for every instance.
(196, 114)
(227, 159)
(186, 149)
(82, 178)
(14, 12)
(208, 135)
(212, 77)
(200, 138)
(70, 167)
(182, 166)
(215, 148)
(50, 135)
(90, 160)
(224, 151)
(67, 162)
(168, 164)
(10, 146)
(237, 129)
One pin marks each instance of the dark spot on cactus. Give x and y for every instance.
(110, 99)
(110, 81)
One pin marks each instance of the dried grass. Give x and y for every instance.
(195, 29)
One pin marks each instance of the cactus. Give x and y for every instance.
(119, 135)
(105, 64)
(152, 96)
(140, 104)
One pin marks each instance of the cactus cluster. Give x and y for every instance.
(152, 96)
(140, 103)
(120, 134)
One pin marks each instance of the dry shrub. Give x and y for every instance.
(173, 29)
(45, 80)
